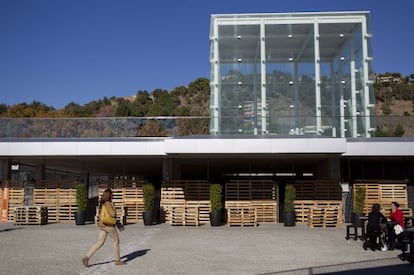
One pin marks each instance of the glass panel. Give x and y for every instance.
(239, 48)
(290, 73)
(340, 51)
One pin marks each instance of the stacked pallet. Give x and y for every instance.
(59, 198)
(318, 203)
(28, 215)
(303, 209)
(244, 198)
(185, 202)
(185, 216)
(383, 192)
(324, 217)
(318, 190)
(16, 199)
(133, 203)
(240, 215)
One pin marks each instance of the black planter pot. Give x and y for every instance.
(80, 217)
(216, 218)
(290, 218)
(147, 216)
(356, 221)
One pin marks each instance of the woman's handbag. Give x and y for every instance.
(106, 218)
(120, 226)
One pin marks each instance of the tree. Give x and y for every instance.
(3, 109)
(162, 104)
(123, 108)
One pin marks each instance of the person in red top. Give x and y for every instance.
(396, 214)
(397, 219)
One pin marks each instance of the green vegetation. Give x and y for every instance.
(215, 197)
(81, 197)
(359, 200)
(290, 195)
(148, 194)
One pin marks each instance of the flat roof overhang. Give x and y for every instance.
(206, 146)
(83, 147)
(379, 147)
(262, 146)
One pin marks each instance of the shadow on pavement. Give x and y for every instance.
(10, 229)
(136, 254)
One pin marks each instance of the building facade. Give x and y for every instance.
(291, 102)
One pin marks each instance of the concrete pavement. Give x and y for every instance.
(164, 249)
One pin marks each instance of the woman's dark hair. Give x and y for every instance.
(376, 207)
(396, 204)
(106, 196)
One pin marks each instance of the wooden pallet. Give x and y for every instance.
(187, 196)
(318, 190)
(302, 210)
(239, 190)
(185, 216)
(30, 215)
(203, 208)
(253, 194)
(324, 217)
(16, 199)
(304, 214)
(241, 215)
(384, 193)
(133, 212)
(266, 210)
(59, 198)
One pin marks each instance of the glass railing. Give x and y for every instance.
(103, 127)
(119, 127)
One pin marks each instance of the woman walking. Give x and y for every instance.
(105, 228)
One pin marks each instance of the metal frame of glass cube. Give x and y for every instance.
(292, 74)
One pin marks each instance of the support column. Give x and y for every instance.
(353, 101)
(317, 78)
(264, 107)
(214, 84)
(366, 81)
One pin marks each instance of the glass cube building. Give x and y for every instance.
(292, 74)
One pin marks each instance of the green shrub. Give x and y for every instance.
(215, 197)
(359, 200)
(148, 194)
(290, 195)
(81, 197)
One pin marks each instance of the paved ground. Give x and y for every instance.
(163, 249)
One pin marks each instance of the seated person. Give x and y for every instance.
(397, 224)
(376, 220)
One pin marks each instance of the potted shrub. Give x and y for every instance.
(289, 211)
(358, 206)
(148, 194)
(216, 215)
(81, 203)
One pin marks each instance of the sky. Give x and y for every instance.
(62, 51)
